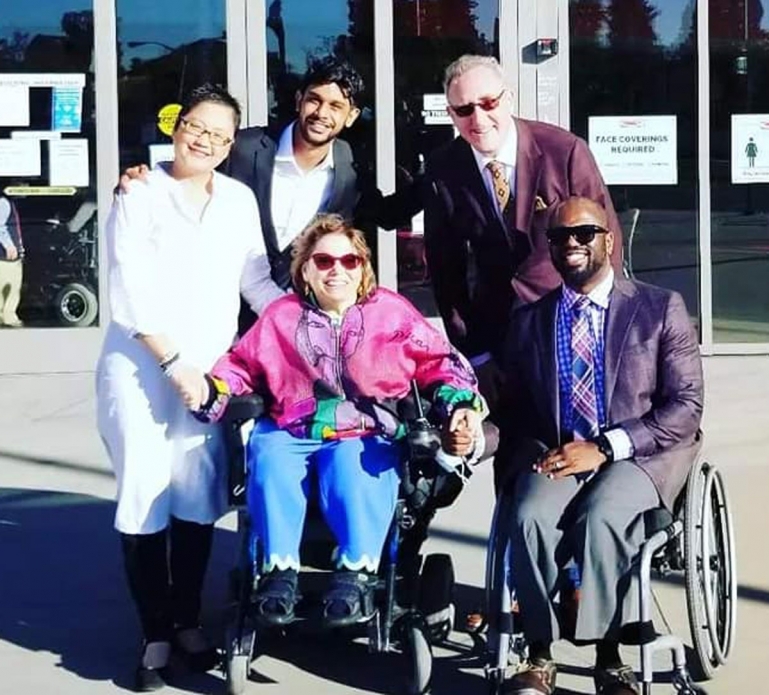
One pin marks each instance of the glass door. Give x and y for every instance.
(642, 125)
(48, 221)
(739, 170)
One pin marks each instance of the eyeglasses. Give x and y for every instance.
(199, 129)
(583, 233)
(487, 104)
(325, 261)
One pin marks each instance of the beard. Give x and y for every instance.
(575, 276)
(314, 138)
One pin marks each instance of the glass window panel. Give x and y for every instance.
(48, 165)
(298, 33)
(739, 84)
(639, 58)
(429, 34)
(164, 50)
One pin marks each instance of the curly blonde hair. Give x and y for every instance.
(322, 225)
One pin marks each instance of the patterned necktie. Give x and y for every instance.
(501, 184)
(583, 400)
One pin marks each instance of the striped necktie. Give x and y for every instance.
(583, 399)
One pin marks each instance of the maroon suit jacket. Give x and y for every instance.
(653, 379)
(477, 274)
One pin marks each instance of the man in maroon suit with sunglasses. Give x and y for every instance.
(489, 198)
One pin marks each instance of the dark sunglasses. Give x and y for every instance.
(583, 233)
(487, 104)
(325, 261)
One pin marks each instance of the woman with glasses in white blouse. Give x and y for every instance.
(182, 248)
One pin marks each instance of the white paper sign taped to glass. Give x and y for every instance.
(19, 158)
(750, 148)
(68, 162)
(635, 150)
(43, 79)
(434, 110)
(67, 109)
(14, 105)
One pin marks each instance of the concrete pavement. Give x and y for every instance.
(66, 624)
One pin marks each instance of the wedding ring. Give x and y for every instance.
(557, 465)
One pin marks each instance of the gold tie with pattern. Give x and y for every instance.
(501, 184)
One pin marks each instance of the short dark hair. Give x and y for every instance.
(210, 93)
(331, 70)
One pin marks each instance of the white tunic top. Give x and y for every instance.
(170, 273)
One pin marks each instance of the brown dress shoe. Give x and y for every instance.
(615, 681)
(537, 679)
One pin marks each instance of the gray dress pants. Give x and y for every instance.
(599, 524)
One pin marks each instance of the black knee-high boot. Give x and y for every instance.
(190, 550)
(146, 564)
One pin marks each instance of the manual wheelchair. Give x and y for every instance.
(697, 539)
(413, 598)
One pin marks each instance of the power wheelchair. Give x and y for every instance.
(413, 597)
(696, 539)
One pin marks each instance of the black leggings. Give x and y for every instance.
(165, 573)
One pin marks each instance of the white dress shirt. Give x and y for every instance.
(297, 195)
(169, 273)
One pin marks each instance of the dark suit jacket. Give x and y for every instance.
(476, 274)
(653, 373)
(353, 195)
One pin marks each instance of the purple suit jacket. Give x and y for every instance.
(477, 274)
(654, 386)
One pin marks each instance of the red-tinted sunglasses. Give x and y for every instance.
(487, 104)
(325, 261)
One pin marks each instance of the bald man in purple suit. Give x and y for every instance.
(605, 388)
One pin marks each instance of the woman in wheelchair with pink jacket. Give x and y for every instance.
(331, 362)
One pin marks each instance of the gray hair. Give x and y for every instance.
(467, 62)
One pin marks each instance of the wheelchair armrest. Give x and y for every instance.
(243, 408)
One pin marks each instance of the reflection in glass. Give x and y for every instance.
(429, 36)
(739, 84)
(52, 184)
(164, 50)
(297, 34)
(639, 58)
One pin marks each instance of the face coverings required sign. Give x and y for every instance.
(635, 150)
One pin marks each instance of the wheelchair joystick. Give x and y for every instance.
(424, 440)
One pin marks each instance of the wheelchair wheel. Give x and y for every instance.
(436, 596)
(239, 651)
(418, 652)
(709, 569)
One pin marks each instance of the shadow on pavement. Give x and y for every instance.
(63, 589)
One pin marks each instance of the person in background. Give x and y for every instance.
(607, 432)
(304, 168)
(181, 250)
(332, 361)
(11, 264)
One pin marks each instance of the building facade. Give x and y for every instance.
(669, 93)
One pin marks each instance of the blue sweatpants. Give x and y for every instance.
(358, 490)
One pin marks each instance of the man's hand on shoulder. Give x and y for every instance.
(570, 459)
(11, 252)
(131, 174)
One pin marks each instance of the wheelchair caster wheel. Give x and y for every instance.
(239, 651)
(418, 652)
(436, 594)
(237, 674)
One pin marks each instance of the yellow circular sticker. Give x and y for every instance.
(167, 118)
